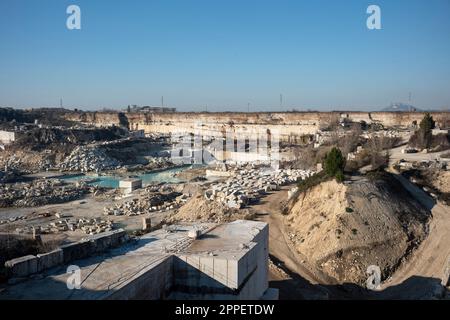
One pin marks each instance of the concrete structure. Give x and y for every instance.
(7, 137)
(130, 184)
(225, 261)
(23, 266)
(28, 265)
(231, 263)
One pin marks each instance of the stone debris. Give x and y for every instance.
(40, 192)
(88, 158)
(157, 202)
(13, 219)
(249, 185)
(88, 226)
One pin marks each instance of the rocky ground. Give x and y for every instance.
(147, 203)
(247, 186)
(87, 159)
(82, 150)
(40, 192)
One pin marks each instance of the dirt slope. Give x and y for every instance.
(344, 228)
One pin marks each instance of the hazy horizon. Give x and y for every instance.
(221, 56)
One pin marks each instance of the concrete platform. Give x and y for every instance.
(227, 261)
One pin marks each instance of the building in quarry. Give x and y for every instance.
(201, 261)
(150, 109)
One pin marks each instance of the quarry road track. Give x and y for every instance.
(306, 284)
(432, 256)
(396, 154)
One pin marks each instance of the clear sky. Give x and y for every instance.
(225, 54)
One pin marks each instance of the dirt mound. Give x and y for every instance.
(202, 210)
(344, 228)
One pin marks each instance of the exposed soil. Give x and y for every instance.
(359, 224)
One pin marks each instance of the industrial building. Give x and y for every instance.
(201, 261)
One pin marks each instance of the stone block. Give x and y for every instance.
(50, 259)
(76, 250)
(23, 266)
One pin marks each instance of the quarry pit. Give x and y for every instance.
(95, 174)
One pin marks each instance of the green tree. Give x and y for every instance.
(334, 163)
(427, 123)
(425, 135)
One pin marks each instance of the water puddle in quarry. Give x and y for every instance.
(112, 181)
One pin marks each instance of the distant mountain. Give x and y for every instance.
(400, 107)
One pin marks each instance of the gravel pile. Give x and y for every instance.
(40, 192)
(151, 203)
(248, 186)
(86, 159)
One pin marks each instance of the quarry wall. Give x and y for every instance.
(286, 124)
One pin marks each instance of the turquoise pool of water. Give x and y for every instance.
(112, 181)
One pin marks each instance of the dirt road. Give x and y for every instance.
(427, 264)
(396, 154)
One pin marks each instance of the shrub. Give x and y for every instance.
(312, 181)
(340, 177)
(334, 164)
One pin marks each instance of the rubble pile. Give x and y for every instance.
(13, 219)
(39, 192)
(152, 203)
(160, 187)
(159, 162)
(88, 226)
(248, 186)
(88, 158)
(424, 164)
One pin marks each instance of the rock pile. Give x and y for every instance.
(12, 219)
(248, 186)
(88, 226)
(40, 192)
(88, 158)
(153, 203)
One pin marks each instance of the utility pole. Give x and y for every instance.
(60, 103)
(281, 100)
(248, 107)
(162, 101)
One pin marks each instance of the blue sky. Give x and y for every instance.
(225, 54)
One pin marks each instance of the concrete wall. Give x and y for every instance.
(242, 277)
(27, 265)
(152, 283)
